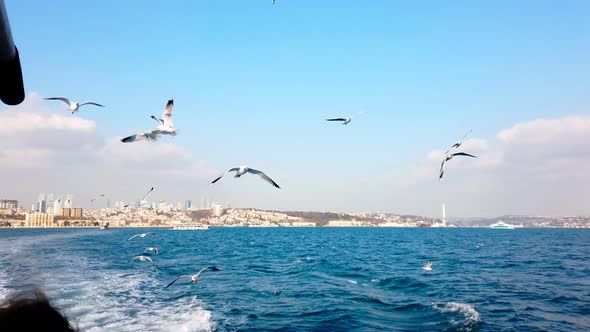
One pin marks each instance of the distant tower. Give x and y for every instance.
(68, 202)
(57, 206)
(444, 215)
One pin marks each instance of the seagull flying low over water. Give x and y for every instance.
(245, 169)
(142, 258)
(151, 249)
(165, 127)
(344, 121)
(72, 105)
(194, 278)
(427, 266)
(143, 199)
(141, 235)
(449, 157)
(97, 198)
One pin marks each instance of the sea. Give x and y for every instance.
(308, 279)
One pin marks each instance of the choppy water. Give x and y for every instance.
(311, 279)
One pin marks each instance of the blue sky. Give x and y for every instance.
(253, 82)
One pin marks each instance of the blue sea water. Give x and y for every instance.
(309, 279)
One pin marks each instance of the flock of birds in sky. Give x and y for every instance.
(166, 127)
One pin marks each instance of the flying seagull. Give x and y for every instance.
(194, 278)
(97, 198)
(141, 235)
(427, 266)
(142, 258)
(143, 199)
(344, 121)
(458, 144)
(151, 249)
(165, 127)
(72, 105)
(245, 169)
(449, 157)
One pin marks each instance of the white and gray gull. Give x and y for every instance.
(245, 169)
(194, 278)
(73, 105)
(165, 127)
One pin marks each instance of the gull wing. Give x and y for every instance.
(64, 99)
(464, 154)
(210, 268)
(175, 280)
(235, 169)
(337, 119)
(91, 103)
(160, 121)
(133, 237)
(263, 176)
(145, 136)
(146, 196)
(442, 169)
(167, 114)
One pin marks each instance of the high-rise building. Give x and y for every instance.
(187, 205)
(57, 206)
(41, 203)
(217, 209)
(444, 215)
(179, 206)
(68, 201)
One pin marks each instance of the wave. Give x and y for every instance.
(464, 317)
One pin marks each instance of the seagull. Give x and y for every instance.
(141, 235)
(194, 278)
(458, 144)
(245, 169)
(97, 198)
(143, 199)
(165, 127)
(72, 105)
(142, 258)
(344, 121)
(151, 249)
(449, 157)
(427, 266)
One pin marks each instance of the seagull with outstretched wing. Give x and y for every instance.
(142, 258)
(73, 105)
(194, 278)
(165, 127)
(245, 169)
(344, 121)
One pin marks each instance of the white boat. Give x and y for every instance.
(191, 227)
(501, 225)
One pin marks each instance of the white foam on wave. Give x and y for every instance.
(4, 281)
(130, 303)
(466, 318)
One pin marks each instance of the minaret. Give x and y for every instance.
(444, 215)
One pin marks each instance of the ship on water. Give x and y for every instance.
(501, 225)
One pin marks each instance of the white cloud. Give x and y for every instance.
(543, 160)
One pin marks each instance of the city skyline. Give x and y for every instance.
(259, 97)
